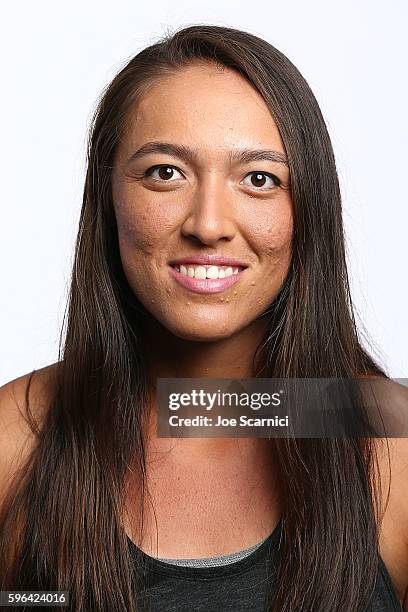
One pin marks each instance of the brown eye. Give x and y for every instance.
(262, 181)
(164, 173)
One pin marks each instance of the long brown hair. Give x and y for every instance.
(61, 525)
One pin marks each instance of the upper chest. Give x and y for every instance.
(200, 508)
(208, 507)
(393, 527)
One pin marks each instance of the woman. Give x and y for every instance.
(208, 144)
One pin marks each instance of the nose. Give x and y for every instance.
(210, 217)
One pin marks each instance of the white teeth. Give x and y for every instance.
(199, 272)
(212, 272)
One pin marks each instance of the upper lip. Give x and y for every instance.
(209, 260)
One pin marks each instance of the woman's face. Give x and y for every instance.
(222, 189)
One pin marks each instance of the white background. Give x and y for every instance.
(56, 58)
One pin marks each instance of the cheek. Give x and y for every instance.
(278, 248)
(139, 231)
(273, 237)
(138, 235)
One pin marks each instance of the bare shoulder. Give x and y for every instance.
(392, 451)
(393, 467)
(17, 423)
(392, 456)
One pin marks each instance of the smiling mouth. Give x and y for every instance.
(206, 279)
(208, 271)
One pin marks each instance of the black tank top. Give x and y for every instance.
(242, 586)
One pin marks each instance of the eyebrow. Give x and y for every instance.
(242, 156)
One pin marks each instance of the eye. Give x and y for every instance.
(164, 173)
(260, 179)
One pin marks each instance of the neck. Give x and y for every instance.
(168, 356)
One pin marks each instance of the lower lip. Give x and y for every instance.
(206, 285)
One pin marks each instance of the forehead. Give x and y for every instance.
(210, 107)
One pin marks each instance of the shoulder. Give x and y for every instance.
(36, 388)
(392, 454)
(393, 526)
(391, 406)
(20, 421)
(393, 469)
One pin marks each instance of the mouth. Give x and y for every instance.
(206, 278)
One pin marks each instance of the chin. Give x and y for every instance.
(201, 333)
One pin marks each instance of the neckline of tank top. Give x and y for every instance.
(271, 543)
(215, 561)
(389, 586)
